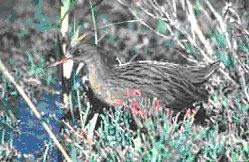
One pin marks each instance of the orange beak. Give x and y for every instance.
(62, 61)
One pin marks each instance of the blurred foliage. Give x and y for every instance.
(223, 138)
(161, 26)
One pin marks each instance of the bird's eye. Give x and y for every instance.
(78, 51)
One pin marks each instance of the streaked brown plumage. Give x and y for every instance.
(175, 86)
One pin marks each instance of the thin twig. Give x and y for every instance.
(118, 23)
(94, 22)
(197, 30)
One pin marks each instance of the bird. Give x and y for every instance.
(172, 86)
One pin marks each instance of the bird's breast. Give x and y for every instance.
(109, 95)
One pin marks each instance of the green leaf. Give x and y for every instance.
(244, 47)
(219, 39)
(74, 39)
(161, 26)
(225, 58)
(197, 9)
(191, 49)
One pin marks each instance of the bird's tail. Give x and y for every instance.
(198, 75)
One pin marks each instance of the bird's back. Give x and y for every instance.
(176, 86)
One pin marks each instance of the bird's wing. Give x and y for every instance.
(199, 74)
(163, 81)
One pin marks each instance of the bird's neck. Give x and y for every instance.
(96, 66)
(98, 71)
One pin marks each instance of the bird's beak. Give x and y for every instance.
(67, 66)
(62, 61)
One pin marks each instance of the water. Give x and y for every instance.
(33, 136)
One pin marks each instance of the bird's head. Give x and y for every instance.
(91, 54)
(84, 53)
(88, 54)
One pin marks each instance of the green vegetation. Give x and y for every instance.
(95, 135)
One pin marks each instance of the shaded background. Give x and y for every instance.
(28, 29)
